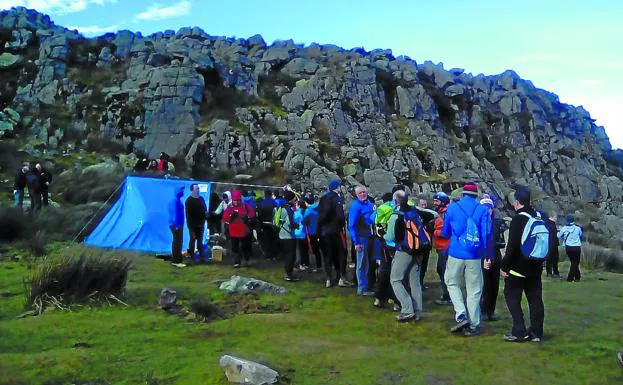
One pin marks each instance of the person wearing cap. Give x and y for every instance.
(238, 217)
(491, 261)
(571, 236)
(331, 223)
(360, 219)
(522, 275)
(176, 225)
(466, 224)
(286, 229)
(441, 201)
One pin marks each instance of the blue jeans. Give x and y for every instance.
(19, 198)
(363, 265)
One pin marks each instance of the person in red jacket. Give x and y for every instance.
(238, 216)
(441, 201)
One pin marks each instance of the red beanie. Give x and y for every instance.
(470, 189)
(236, 195)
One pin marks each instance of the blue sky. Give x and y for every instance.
(572, 48)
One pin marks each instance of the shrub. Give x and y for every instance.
(13, 224)
(598, 257)
(205, 310)
(85, 279)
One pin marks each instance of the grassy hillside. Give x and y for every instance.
(311, 336)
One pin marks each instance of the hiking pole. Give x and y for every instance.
(97, 212)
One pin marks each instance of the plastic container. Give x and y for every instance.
(217, 254)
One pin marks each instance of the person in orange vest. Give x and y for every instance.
(440, 202)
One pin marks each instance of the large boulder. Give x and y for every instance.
(238, 284)
(8, 60)
(240, 371)
(379, 181)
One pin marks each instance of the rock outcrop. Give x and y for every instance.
(306, 113)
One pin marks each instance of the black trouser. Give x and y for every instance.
(333, 253)
(491, 286)
(303, 248)
(241, 248)
(35, 200)
(288, 247)
(574, 253)
(196, 237)
(424, 266)
(315, 249)
(383, 290)
(44, 195)
(267, 237)
(514, 287)
(551, 265)
(442, 261)
(214, 223)
(176, 244)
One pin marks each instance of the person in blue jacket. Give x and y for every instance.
(468, 243)
(360, 220)
(176, 225)
(310, 223)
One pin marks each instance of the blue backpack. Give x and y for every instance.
(470, 239)
(535, 238)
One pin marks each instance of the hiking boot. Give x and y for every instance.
(367, 294)
(402, 317)
(378, 303)
(509, 337)
(461, 324)
(328, 284)
(303, 268)
(291, 278)
(344, 283)
(396, 308)
(236, 266)
(443, 302)
(472, 332)
(492, 318)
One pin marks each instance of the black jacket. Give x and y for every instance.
(331, 219)
(265, 209)
(195, 209)
(553, 234)
(20, 181)
(514, 259)
(44, 177)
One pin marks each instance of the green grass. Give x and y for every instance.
(328, 336)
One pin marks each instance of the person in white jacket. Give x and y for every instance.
(571, 236)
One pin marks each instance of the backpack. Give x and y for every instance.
(277, 216)
(265, 210)
(277, 222)
(32, 181)
(470, 239)
(535, 238)
(416, 237)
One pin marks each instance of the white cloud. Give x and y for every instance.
(95, 29)
(54, 7)
(158, 11)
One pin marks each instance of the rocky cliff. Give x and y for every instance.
(306, 113)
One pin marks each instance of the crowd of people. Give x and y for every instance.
(36, 181)
(390, 246)
(158, 166)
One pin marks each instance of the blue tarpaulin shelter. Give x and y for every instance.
(139, 220)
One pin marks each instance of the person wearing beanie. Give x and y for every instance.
(287, 240)
(238, 217)
(522, 275)
(571, 236)
(331, 225)
(196, 214)
(441, 201)
(466, 224)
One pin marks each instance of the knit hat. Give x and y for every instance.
(334, 184)
(470, 189)
(487, 202)
(522, 194)
(570, 219)
(288, 195)
(236, 195)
